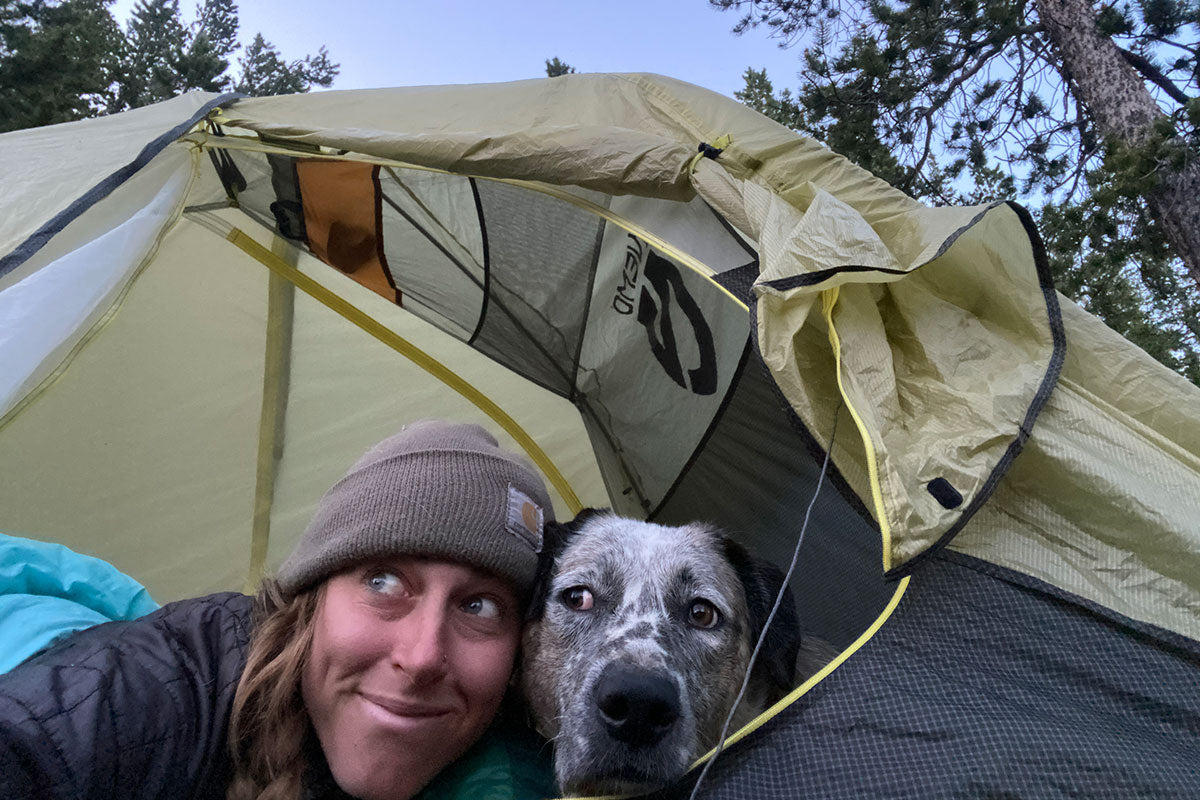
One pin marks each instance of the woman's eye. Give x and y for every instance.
(383, 582)
(703, 614)
(578, 598)
(484, 607)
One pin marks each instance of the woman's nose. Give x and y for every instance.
(420, 649)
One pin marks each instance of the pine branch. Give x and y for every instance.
(940, 99)
(1191, 50)
(1152, 74)
(916, 168)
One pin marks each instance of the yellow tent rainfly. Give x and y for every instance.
(675, 307)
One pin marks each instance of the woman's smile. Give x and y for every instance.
(397, 712)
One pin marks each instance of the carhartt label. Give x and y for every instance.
(524, 518)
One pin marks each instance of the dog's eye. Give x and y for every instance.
(703, 614)
(578, 598)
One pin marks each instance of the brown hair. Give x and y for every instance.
(269, 726)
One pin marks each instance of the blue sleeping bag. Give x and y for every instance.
(48, 591)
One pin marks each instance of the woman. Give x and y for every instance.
(377, 656)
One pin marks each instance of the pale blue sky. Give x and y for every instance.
(471, 41)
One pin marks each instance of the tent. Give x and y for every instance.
(677, 308)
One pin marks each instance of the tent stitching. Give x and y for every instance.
(487, 263)
(587, 308)
(829, 298)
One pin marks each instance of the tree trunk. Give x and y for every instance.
(1120, 105)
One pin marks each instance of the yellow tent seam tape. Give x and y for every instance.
(276, 377)
(829, 299)
(410, 351)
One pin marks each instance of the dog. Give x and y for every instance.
(637, 645)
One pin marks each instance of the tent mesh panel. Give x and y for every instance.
(541, 256)
(985, 683)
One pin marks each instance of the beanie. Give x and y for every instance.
(438, 490)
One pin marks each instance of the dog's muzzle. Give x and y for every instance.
(635, 706)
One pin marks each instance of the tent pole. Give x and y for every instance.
(277, 370)
(339, 305)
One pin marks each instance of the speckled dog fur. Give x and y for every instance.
(644, 579)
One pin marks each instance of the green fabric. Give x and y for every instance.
(510, 762)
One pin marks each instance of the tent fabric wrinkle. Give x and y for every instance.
(937, 384)
(832, 233)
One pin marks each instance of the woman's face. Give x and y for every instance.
(409, 661)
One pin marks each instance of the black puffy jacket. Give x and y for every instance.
(128, 709)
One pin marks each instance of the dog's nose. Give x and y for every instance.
(636, 706)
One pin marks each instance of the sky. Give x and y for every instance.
(404, 43)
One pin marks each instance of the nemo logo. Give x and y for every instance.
(655, 314)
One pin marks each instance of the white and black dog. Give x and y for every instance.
(639, 639)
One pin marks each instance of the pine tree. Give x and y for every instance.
(156, 42)
(58, 61)
(217, 21)
(67, 59)
(213, 39)
(554, 68)
(264, 72)
(166, 58)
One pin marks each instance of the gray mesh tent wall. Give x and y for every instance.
(676, 308)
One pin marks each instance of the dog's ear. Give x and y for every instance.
(775, 668)
(587, 513)
(555, 536)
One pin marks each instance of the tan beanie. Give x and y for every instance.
(437, 489)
